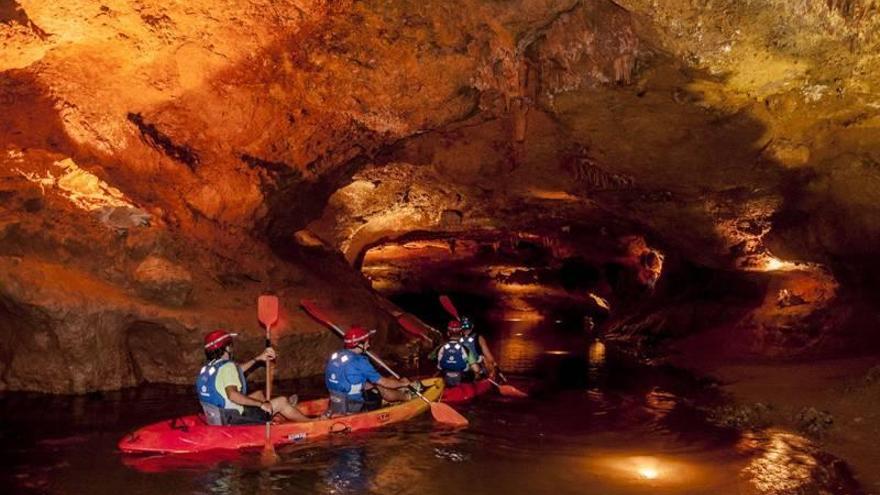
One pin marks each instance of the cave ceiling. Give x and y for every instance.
(142, 139)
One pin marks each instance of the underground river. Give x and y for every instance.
(595, 423)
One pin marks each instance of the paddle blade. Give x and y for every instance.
(448, 306)
(511, 391)
(443, 413)
(412, 327)
(311, 307)
(268, 457)
(267, 309)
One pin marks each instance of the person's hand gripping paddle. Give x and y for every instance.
(267, 312)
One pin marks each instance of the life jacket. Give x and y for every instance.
(472, 344)
(336, 375)
(453, 356)
(206, 383)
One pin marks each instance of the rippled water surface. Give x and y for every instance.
(594, 424)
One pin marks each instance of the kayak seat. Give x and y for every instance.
(213, 414)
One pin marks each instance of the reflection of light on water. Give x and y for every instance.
(518, 352)
(648, 473)
(596, 353)
(785, 466)
(659, 404)
(654, 469)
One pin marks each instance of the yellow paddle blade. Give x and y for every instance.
(447, 415)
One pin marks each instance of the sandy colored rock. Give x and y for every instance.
(163, 281)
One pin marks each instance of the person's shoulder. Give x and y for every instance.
(227, 365)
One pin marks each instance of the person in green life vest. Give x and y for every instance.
(222, 388)
(478, 350)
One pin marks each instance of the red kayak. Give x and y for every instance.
(191, 434)
(466, 391)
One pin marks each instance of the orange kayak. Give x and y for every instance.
(191, 434)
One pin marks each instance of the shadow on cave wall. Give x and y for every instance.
(30, 117)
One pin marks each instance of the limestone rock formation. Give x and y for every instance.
(163, 281)
(267, 145)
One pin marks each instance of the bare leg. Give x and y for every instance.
(281, 406)
(392, 395)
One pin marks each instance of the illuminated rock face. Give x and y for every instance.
(247, 141)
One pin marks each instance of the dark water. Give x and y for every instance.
(594, 424)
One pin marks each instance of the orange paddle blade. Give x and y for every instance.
(511, 391)
(267, 310)
(445, 414)
(268, 457)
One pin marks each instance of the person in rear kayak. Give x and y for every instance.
(453, 359)
(353, 383)
(222, 388)
(478, 350)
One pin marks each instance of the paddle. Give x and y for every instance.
(506, 390)
(415, 327)
(267, 312)
(449, 307)
(442, 413)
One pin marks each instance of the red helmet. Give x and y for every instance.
(454, 327)
(218, 339)
(355, 335)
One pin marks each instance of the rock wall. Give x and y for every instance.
(171, 156)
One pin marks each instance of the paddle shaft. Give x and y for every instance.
(268, 365)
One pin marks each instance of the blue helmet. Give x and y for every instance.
(466, 323)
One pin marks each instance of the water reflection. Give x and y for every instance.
(651, 470)
(596, 360)
(788, 463)
(348, 472)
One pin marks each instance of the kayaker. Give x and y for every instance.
(353, 382)
(453, 359)
(222, 387)
(478, 349)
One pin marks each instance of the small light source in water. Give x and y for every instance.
(648, 473)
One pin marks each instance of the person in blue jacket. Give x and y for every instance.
(222, 388)
(453, 359)
(353, 382)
